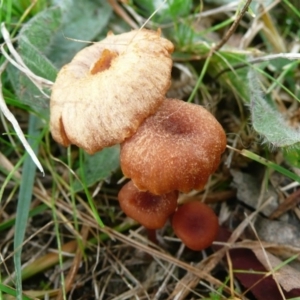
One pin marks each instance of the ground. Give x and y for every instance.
(62, 232)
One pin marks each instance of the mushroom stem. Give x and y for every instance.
(152, 236)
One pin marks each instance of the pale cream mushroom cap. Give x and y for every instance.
(108, 89)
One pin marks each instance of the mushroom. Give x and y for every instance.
(150, 210)
(195, 224)
(108, 89)
(177, 148)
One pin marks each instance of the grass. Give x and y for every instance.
(64, 236)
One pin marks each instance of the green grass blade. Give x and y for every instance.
(200, 79)
(59, 245)
(8, 290)
(270, 164)
(10, 176)
(87, 192)
(24, 200)
(34, 212)
(293, 9)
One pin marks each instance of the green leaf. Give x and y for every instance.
(267, 120)
(98, 167)
(41, 66)
(179, 8)
(24, 200)
(82, 20)
(292, 156)
(163, 11)
(44, 46)
(270, 164)
(41, 29)
(10, 291)
(27, 93)
(35, 42)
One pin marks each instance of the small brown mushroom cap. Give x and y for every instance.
(150, 210)
(107, 90)
(196, 225)
(177, 148)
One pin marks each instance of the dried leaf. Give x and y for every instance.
(286, 276)
(250, 272)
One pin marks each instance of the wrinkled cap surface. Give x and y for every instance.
(150, 210)
(107, 90)
(196, 225)
(177, 148)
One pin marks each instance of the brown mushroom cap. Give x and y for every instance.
(196, 225)
(150, 210)
(177, 148)
(107, 90)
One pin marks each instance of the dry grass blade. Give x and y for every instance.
(201, 273)
(290, 202)
(15, 124)
(231, 29)
(123, 14)
(267, 258)
(70, 278)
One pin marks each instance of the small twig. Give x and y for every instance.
(122, 13)
(220, 9)
(290, 202)
(271, 269)
(166, 257)
(290, 56)
(256, 60)
(231, 29)
(70, 278)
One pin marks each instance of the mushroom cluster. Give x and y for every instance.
(175, 149)
(115, 90)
